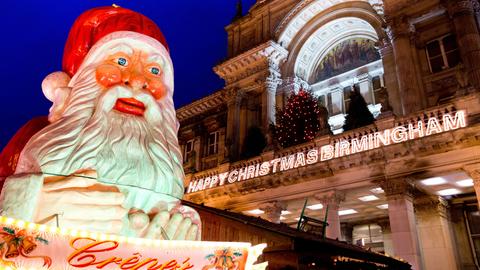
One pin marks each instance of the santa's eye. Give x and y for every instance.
(155, 70)
(122, 61)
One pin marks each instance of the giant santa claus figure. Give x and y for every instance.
(107, 159)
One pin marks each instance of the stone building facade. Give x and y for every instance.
(413, 189)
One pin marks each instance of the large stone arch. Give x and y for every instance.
(324, 39)
(295, 30)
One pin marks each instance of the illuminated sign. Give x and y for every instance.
(25, 245)
(330, 151)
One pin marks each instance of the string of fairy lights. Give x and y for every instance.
(254, 251)
(72, 232)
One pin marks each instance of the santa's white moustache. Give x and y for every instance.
(124, 149)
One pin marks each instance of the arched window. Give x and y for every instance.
(337, 55)
(349, 54)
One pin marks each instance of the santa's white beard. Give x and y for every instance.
(124, 149)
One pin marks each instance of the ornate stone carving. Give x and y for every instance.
(234, 96)
(202, 105)
(272, 81)
(459, 7)
(399, 27)
(293, 85)
(384, 223)
(333, 197)
(397, 186)
(428, 205)
(273, 210)
(377, 6)
(473, 170)
(267, 56)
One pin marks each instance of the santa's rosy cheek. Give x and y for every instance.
(108, 75)
(157, 88)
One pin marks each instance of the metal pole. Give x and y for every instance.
(325, 224)
(301, 215)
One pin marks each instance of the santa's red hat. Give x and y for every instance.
(95, 24)
(99, 30)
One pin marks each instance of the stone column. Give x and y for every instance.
(468, 37)
(242, 125)
(387, 236)
(400, 32)
(234, 101)
(473, 170)
(402, 220)
(269, 100)
(273, 211)
(331, 201)
(221, 146)
(435, 233)
(390, 79)
(197, 147)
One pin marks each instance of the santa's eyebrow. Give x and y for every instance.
(156, 58)
(122, 48)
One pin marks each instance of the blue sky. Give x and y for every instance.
(34, 34)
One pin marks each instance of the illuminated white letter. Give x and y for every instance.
(274, 164)
(300, 161)
(384, 137)
(191, 186)
(343, 148)
(312, 156)
(399, 134)
(451, 124)
(199, 185)
(223, 177)
(213, 181)
(232, 176)
(206, 182)
(250, 172)
(433, 126)
(242, 174)
(287, 163)
(359, 146)
(257, 168)
(418, 129)
(326, 152)
(264, 168)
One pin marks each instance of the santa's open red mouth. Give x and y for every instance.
(130, 105)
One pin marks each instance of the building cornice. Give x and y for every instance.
(201, 105)
(267, 55)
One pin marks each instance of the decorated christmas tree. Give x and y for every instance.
(298, 121)
(358, 114)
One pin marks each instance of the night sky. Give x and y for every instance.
(34, 32)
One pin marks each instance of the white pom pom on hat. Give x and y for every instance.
(53, 81)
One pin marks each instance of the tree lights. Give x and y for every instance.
(298, 121)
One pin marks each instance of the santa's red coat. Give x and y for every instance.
(11, 152)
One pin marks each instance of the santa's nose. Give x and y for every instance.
(137, 81)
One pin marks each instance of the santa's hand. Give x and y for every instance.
(182, 223)
(81, 202)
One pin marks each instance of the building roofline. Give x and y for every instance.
(201, 105)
